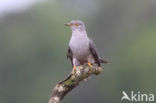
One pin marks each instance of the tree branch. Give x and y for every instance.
(65, 86)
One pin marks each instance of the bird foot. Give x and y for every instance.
(89, 64)
(74, 68)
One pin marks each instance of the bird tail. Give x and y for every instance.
(103, 61)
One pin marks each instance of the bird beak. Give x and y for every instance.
(68, 24)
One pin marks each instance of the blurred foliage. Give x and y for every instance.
(34, 43)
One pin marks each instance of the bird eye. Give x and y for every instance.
(76, 24)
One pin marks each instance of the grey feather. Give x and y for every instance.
(82, 49)
(70, 55)
(93, 51)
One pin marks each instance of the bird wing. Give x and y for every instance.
(93, 51)
(70, 55)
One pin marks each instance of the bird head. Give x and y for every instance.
(76, 25)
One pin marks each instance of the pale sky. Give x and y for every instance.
(15, 5)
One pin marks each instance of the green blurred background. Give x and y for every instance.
(34, 41)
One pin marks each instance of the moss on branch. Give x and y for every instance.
(81, 73)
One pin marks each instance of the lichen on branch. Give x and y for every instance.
(65, 86)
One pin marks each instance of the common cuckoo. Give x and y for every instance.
(81, 48)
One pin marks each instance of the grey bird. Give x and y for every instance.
(81, 48)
